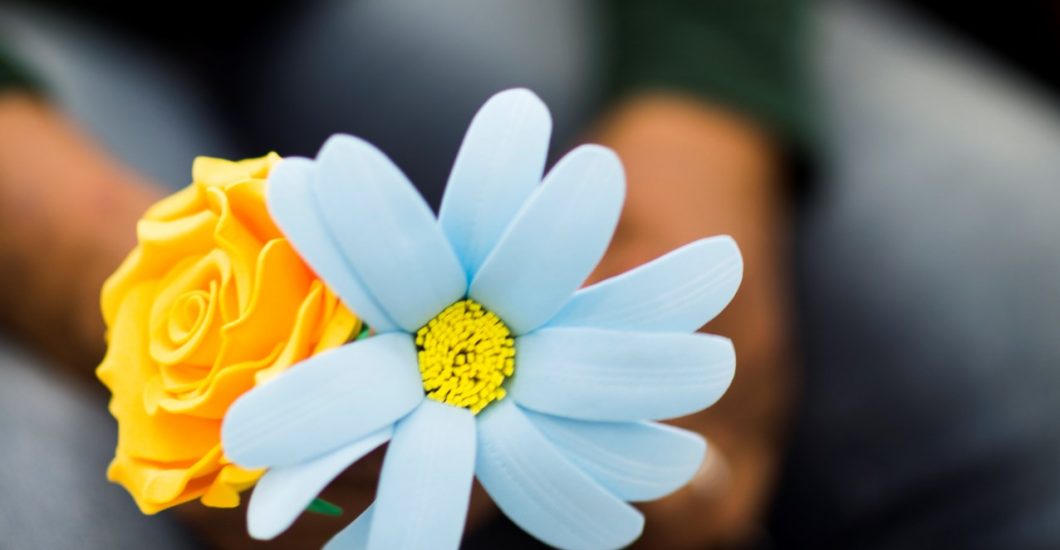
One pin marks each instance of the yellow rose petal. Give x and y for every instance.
(212, 301)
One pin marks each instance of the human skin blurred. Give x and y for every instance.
(693, 171)
(67, 218)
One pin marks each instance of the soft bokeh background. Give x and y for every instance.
(925, 235)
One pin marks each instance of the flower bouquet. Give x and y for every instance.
(282, 318)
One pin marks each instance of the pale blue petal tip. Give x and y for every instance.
(387, 232)
(426, 480)
(678, 292)
(283, 493)
(555, 241)
(324, 402)
(595, 374)
(542, 491)
(636, 461)
(499, 164)
(290, 200)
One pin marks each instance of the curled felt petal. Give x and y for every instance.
(281, 284)
(231, 480)
(186, 202)
(283, 493)
(355, 535)
(293, 207)
(544, 493)
(387, 232)
(327, 401)
(555, 241)
(679, 292)
(211, 172)
(156, 486)
(128, 370)
(162, 245)
(426, 480)
(636, 461)
(256, 343)
(499, 164)
(595, 374)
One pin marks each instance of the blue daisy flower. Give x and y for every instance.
(487, 360)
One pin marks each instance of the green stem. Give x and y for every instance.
(324, 508)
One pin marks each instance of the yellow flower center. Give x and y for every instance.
(465, 354)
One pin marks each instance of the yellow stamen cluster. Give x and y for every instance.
(465, 354)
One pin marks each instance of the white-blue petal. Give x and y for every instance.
(636, 461)
(329, 400)
(355, 535)
(289, 196)
(499, 165)
(387, 232)
(679, 292)
(556, 240)
(596, 374)
(542, 492)
(426, 480)
(283, 493)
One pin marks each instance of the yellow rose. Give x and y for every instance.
(212, 301)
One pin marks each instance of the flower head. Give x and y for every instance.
(211, 301)
(488, 359)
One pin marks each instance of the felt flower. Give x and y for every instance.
(488, 360)
(211, 301)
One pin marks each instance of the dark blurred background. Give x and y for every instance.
(891, 170)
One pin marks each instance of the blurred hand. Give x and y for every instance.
(68, 215)
(694, 171)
